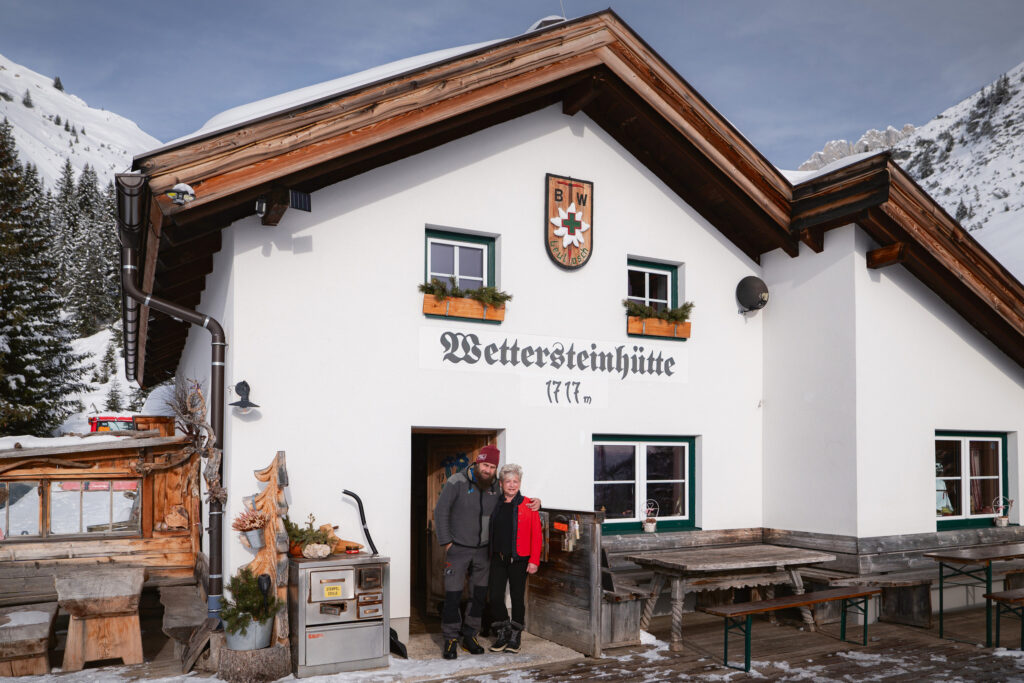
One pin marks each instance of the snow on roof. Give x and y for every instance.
(797, 177)
(248, 113)
(26, 441)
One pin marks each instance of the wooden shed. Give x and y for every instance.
(130, 502)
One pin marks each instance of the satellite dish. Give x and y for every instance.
(752, 294)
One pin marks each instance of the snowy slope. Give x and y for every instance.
(104, 140)
(970, 158)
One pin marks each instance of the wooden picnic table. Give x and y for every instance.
(704, 569)
(981, 558)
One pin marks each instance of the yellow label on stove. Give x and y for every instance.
(332, 591)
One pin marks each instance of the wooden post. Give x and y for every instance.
(272, 558)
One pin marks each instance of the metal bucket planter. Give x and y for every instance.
(256, 637)
(255, 538)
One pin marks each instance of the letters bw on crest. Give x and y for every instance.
(568, 220)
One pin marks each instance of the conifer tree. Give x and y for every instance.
(65, 226)
(56, 120)
(137, 399)
(27, 99)
(94, 263)
(114, 401)
(57, 84)
(39, 371)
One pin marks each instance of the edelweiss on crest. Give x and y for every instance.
(570, 226)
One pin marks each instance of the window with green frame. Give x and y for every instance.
(652, 284)
(468, 259)
(630, 471)
(970, 478)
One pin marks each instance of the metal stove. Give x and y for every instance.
(339, 611)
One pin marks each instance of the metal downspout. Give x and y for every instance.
(131, 220)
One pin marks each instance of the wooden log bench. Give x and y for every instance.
(738, 617)
(25, 635)
(1009, 602)
(104, 609)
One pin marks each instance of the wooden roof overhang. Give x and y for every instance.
(595, 64)
(914, 231)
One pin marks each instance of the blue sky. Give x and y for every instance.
(790, 74)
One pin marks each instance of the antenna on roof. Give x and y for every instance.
(546, 21)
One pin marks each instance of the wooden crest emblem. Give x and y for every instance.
(569, 221)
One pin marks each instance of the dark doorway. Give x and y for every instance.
(436, 455)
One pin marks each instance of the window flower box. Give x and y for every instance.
(656, 327)
(462, 307)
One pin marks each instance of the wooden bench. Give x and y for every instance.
(738, 616)
(907, 594)
(104, 609)
(25, 634)
(622, 604)
(1010, 602)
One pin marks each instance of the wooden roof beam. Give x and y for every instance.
(887, 256)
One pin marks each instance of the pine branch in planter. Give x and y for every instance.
(247, 603)
(489, 296)
(679, 314)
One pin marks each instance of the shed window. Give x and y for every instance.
(19, 509)
(65, 507)
(970, 477)
(89, 507)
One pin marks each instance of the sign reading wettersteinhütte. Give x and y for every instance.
(569, 221)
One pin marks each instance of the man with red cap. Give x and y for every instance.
(462, 519)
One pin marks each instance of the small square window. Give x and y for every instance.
(651, 284)
(466, 259)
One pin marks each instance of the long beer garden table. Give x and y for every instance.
(704, 569)
(981, 558)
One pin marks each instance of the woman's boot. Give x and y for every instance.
(515, 635)
(502, 632)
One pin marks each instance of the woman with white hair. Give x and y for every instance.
(515, 553)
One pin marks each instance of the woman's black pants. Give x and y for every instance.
(509, 572)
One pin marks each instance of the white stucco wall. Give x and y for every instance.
(920, 368)
(810, 367)
(861, 368)
(325, 323)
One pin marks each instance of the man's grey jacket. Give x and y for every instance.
(463, 512)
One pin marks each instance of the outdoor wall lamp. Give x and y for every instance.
(181, 194)
(243, 404)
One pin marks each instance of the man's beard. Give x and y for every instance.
(482, 479)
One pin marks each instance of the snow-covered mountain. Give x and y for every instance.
(59, 125)
(970, 158)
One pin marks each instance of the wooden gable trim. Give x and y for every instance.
(280, 146)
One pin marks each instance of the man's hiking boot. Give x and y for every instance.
(470, 645)
(451, 649)
(501, 632)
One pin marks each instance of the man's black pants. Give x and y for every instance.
(511, 572)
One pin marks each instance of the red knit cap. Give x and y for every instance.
(489, 454)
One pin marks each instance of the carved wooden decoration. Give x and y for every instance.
(272, 558)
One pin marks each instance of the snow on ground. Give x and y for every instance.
(95, 398)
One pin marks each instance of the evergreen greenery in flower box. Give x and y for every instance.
(646, 321)
(449, 300)
(247, 604)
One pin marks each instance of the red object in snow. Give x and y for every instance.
(105, 423)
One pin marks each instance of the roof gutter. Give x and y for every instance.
(132, 200)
